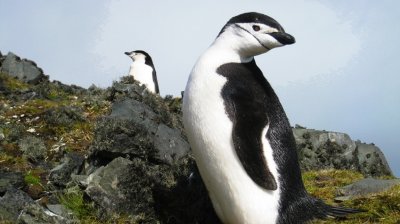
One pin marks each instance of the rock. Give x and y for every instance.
(169, 144)
(10, 179)
(12, 203)
(160, 193)
(116, 137)
(24, 70)
(65, 116)
(36, 214)
(2, 136)
(15, 131)
(130, 89)
(333, 150)
(33, 148)
(61, 174)
(136, 111)
(133, 129)
(80, 180)
(124, 186)
(365, 187)
(372, 160)
(61, 210)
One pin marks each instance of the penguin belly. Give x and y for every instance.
(235, 196)
(143, 74)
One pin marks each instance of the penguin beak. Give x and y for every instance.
(283, 38)
(127, 53)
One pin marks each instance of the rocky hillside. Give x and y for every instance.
(119, 155)
(333, 150)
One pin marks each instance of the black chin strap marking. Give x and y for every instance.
(253, 36)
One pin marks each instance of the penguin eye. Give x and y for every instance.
(256, 28)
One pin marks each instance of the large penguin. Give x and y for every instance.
(240, 136)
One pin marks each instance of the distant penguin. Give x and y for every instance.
(142, 69)
(239, 133)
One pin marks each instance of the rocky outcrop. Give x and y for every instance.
(135, 131)
(333, 150)
(22, 69)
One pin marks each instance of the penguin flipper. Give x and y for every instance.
(246, 106)
(155, 81)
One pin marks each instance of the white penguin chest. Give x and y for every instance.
(235, 196)
(143, 74)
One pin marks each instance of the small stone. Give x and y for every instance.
(34, 148)
(31, 130)
(8, 179)
(61, 174)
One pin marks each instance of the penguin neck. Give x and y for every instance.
(138, 61)
(228, 49)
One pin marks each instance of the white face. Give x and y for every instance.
(251, 39)
(137, 56)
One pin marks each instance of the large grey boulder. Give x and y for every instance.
(333, 150)
(24, 69)
(124, 186)
(365, 187)
(133, 129)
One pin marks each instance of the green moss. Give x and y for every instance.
(80, 136)
(31, 178)
(86, 212)
(73, 200)
(12, 159)
(379, 208)
(323, 184)
(13, 84)
(33, 107)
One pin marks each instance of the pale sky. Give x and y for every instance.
(341, 75)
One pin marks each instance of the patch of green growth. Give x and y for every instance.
(323, 184)
(174, 104)
(80, 136)
(32, 178)
(13, 163)
(33, 107)
(96, 109)
(12, 158)
(86, 212)
(379, 208)
(13, 84)
(73, 199)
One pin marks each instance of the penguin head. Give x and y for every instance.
(141, 57)
(253, 33)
